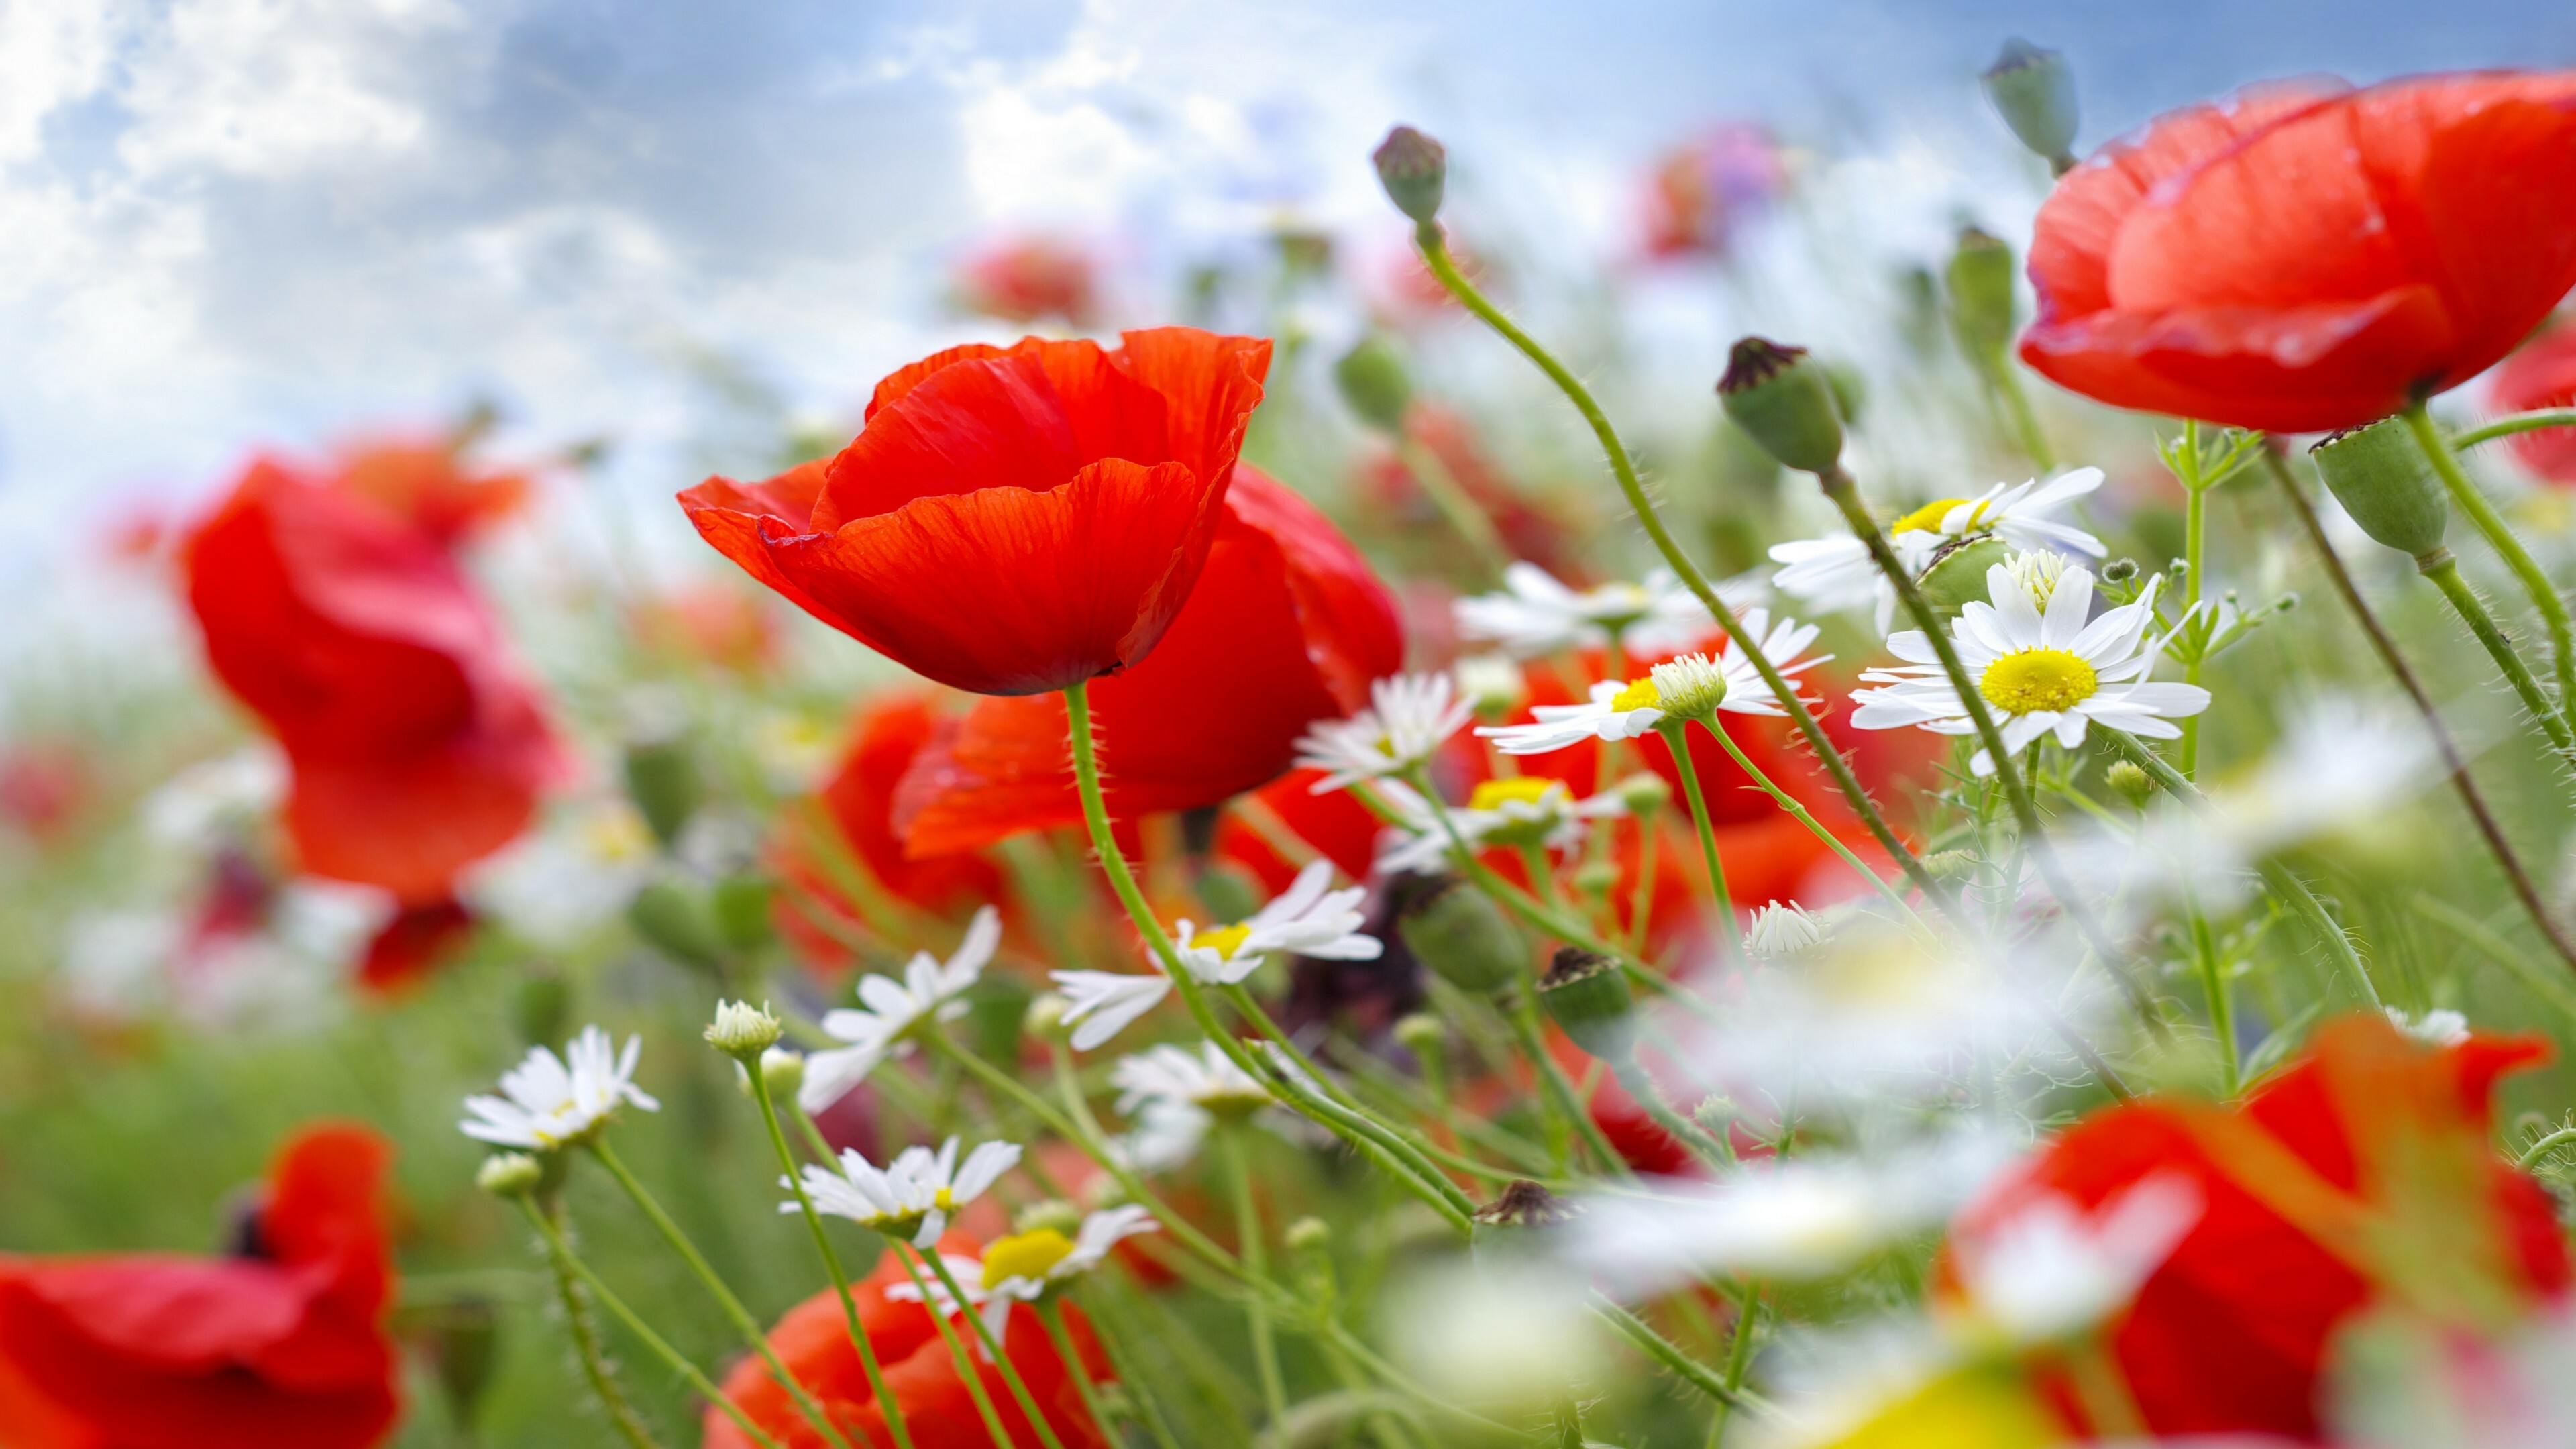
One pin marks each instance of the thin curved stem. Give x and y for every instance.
(1664, 1351)
(904, 1253)
(994, 1349)
(1799, 812)
(1256, 1258)
(1676, 733)
(2444, 571)
(586, 1347)
(1051, 1314)
(1464, 515)
(2500, 536)
(2518, 423)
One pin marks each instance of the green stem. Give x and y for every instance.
(904, 1253)
(2444, 571)
(2025, 421)
(1051, 1314)
(1438, 1192)
(1664, 1351)
(831, 1257)
(2213, 984)
(993, 1345)
(1739, 1356)
(2500, 537)
(2543, 1147)
(1676, 733)
(635, 1324)
(1556, 1089)
(1123, 1364)
(1256, 1258)
(1641, 897)
(1651, 1097)
(1396, 1140)
(2195, 533)
(1435, 255)
(2518, 423)
(1799, 812)
(586, 1347)
(740, 1316)
(1441, 486)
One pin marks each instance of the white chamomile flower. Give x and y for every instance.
(1691, 686)
(2042, 673)
(1206, 1079)
(911, 1197)
(930, 991)
(2440, 1027)
(1778, 932)
(2054, 1269)
(1408, 717)
(1026, 1267)
(1537, 614)
(1162, 1133)
(1307, 919)
(1836, 572)
(1523, 810)
(548, 1101)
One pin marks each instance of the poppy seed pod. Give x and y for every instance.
(2034, 91)
(662, 779)
(1414, 169)
(1374, 384)
(739, 907)
(2386, 483)
(1958, 578)
(674, 921)
(1457, 931)
(1980, 278)
(1588, 999)
(1784, 402)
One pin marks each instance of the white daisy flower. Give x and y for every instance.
(548, 1101)
(1306, 919)
(929, 991)
(1694, 683)
(1836, 572)
(2054, 1269)
(2042, 673)
(911, 1197)
(1161, 1134)
(1778, 932)
(1537, 614)
(1523, 810)
(1408, 718)
(1207, 1079)
(1026, 1267)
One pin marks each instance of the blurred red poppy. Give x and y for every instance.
(813, 1340)
(417, 743)
(2228, 1335)
(1528, 529)
(722, 624)
(430, 486)
(2542, 374)
(1288, 626)
(2303, 259)
(1030, 279)
(1705, 190)
(281, 1346)
(1334, 825)
(1011, 521)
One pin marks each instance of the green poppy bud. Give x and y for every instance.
(1784, 402)
(539, 1007)
(662, 779)
(1458, 931)
(2386, 483)
(1981, 295)
(1958, 577)
(2034, 91)
(673, 921)
(1373, 382)
(1414, 169)
(739, 907)
(997, 1009)
(1587, 997)
(464, 1335)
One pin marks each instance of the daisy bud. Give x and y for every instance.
(1414, 169)
(1587, 997)
(1957, 577)
(783, 1071)
(1420, 1033)
(1526, 1204)
(509, 1174)
(1373, 383)
(1950, 864)
(1779, 932)
(1784, 402)
(2385, 482)
(1716, 1112)
(662, 779)
(2133, 784)
(1981, 295)
(1053, 1215)
(2119, 570)
(1691, 687)
(1045, 1020)
(673, 921)
(742, 1030)
(2034, 91)
(1492, 684)
(1457, 931)
(1643, 793)
(1596, 877)
(1309, 1235)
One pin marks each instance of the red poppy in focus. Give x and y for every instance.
(2302, 260)
(418, 745)
(429, 486)
(2542, 374)
(1010, 521)
(1288, 626)
(2359, 1141)
(281, 1346)
(813, 1340)
(1030, 279)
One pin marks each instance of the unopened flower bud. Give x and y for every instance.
(1045, 1019)
(1981, 295)
(1414, 169)
(1457, 931)
(509, 1174)
(1596, 877)
(1956, 578)
(662, 779)
(2132, 783)
(1643, 793)
(1372, 380)
(742, 1030)
(1690, 687)
(539, 1006)
(1950, 864)
(1783, 401)
(1779, 932)
(1587, 997)
(1716, 1112)
(738, 905)
(2119, 570)
(1049, 1215)
(1526, 1204)
(1492, 684)
(1309, 1235)
(673, 921)
(1227, 890)
(2382, 478)
(463, 1336)
(783, 1071)
(2034, 91)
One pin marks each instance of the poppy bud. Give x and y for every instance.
(1596, 877)
(673, 921)
(2034, 91)
(1045, 1018)
(1051, 1215)
(1457, 931)
(1526, 1204)
(1587, 997)
(662, 778)
(1373, 382)
(538, 1007)
(2385, 482)
(739, 907)
(1227, 890)
(1414, 169)
(1958, 578)
(1783, 402)
(997, 1007)
(1981, 295)
(1309, 1235)
(462, 1340)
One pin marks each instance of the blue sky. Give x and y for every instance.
(223, 221)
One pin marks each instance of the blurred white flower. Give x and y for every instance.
(911, 1197)
(1693, 684)
(1100, 1004)
(2437, 1028)
(575, 873)
(1501, 1333)
(1836, 572)
(197, 808)
(1490, 683)
(1537, 614)
(1162, 1133)
(548, 1101)
(1306, 919)
(2054, 1269)
(930, 991)
(1206, 1079)
(1408, 717)
(2338, 760)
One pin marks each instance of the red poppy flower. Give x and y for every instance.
(2229, 1333)
(2542, 374)
(418, 746)
(813, 1340)
(2303, 260)
(418, 937)
(1334, 824)
(1028, 279)
(1288, 626)
(1011, 521)
(282, 1346)
(429, 486)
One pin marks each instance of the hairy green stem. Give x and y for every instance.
(1676, 733)
(1442, 487)
(586, 1347)
(2500, 536)
(1051, 1315)
(2518, 423)
(2444, 571)
(1800, 813)
(904, 1253)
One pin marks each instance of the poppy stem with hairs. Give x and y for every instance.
(2444, 571)
(994, 1348)
(1435, 255)
(2518, 423)
(904, 1253)
(2500, 537)
(571, 1262)
(1839, 487)
(2195, 534)
(740, 1316)
(2452, 760)
(1446, 493)
(586, 1348)
(1256, 1258)
(1803, 816)
(1730, 932)
(795, 1181)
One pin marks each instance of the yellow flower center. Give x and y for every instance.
(1224, 940)
(2038, 679)
(1640, 694)
(1025, 1255)
(1927, 518)
(1527, 789)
